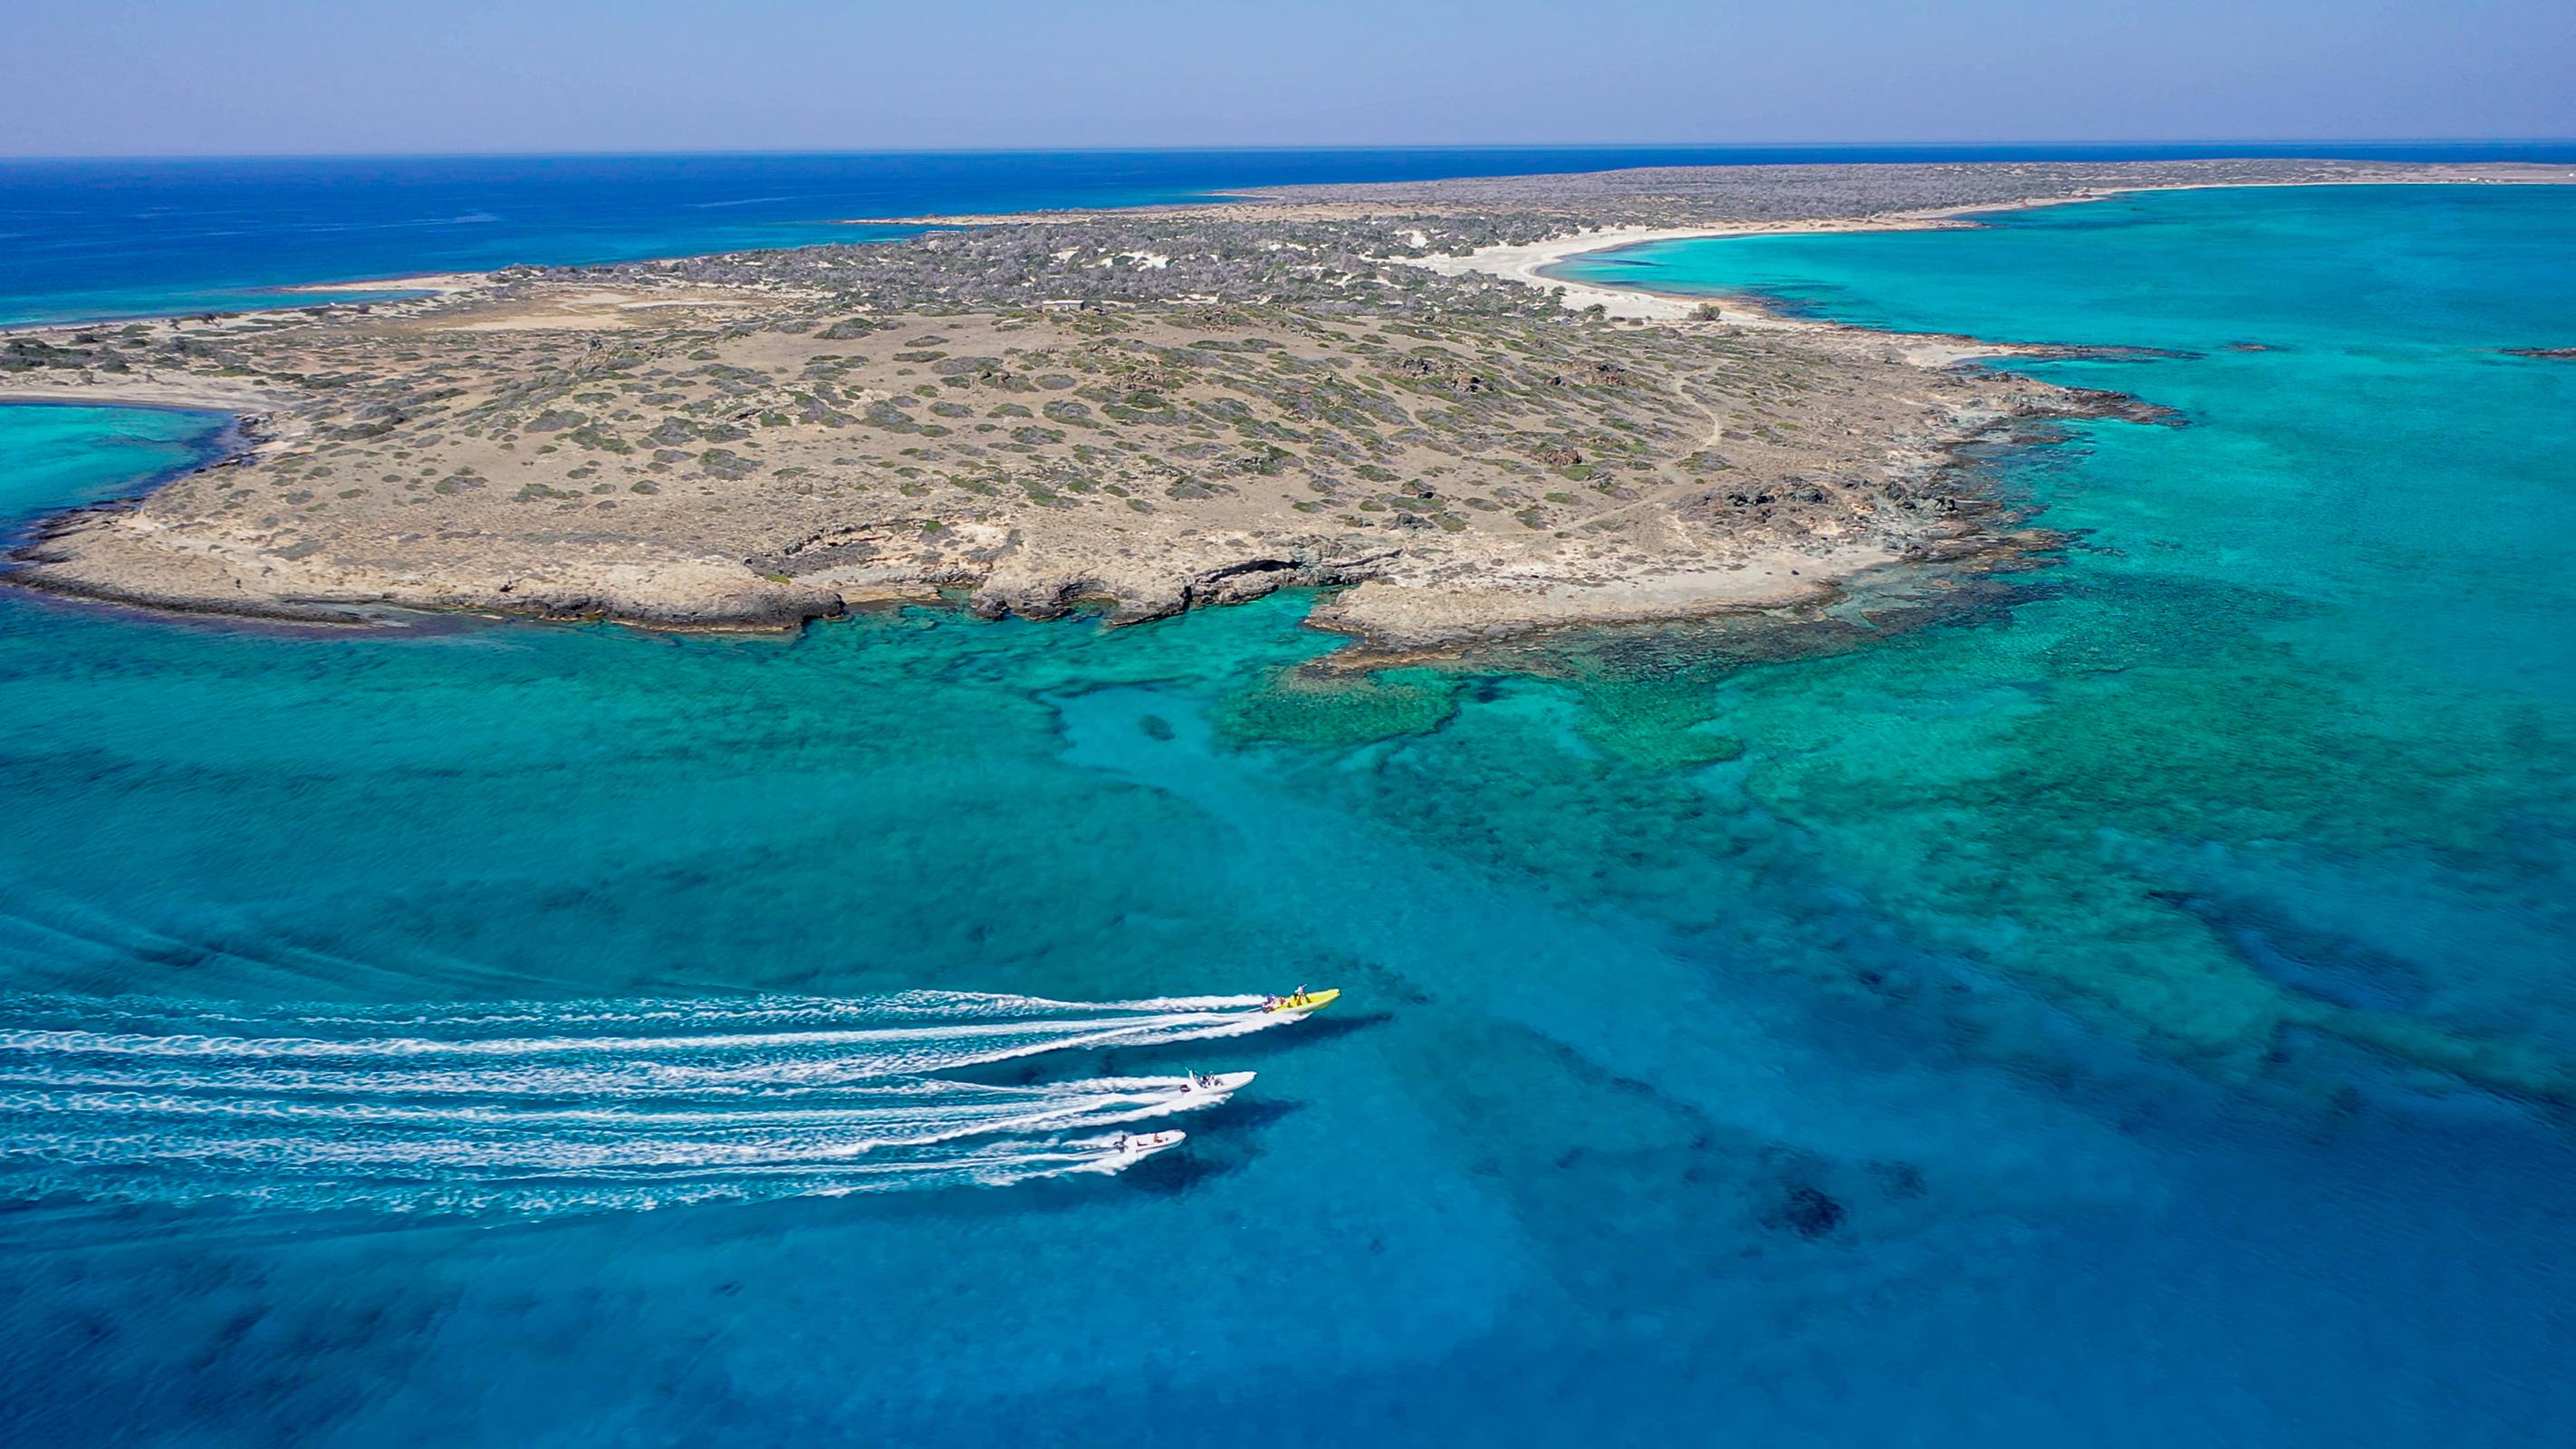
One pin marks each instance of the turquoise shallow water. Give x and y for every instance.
(2128, 1002)
(66, 456)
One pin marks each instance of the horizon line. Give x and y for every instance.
(1262, 147)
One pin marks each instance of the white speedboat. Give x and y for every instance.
(1133, 1145)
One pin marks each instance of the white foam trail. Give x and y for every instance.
(704, 1011)
(135, 1129)
(538, 1195)
(1049, 1038)
(925, 1032)
(754, 1081)
(528, 1107)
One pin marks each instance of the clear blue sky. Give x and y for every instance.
(248, 76)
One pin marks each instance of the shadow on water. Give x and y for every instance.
(1236, 1053)
(2330, 967)
(1220, 1144)
(1263, 1046)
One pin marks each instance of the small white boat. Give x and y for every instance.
(1217, 1084)
(1134, 1145)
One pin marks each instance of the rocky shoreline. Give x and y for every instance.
(1389, 593)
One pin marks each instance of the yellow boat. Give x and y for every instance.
(1303, 1001)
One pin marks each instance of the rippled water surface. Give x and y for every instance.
(2127, 1002)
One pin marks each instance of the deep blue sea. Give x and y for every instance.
(2127, 1002)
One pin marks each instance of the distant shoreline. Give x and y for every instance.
(424, 284)
(1529, 263)
(1324, 202)
(1546, 255)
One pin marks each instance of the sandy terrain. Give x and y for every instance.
(684, 456)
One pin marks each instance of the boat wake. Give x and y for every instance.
(534, 1108)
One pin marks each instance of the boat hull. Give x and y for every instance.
(1300, 1005)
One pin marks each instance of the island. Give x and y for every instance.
(1371, 390)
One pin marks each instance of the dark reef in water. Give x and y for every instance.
(1807, 1211)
